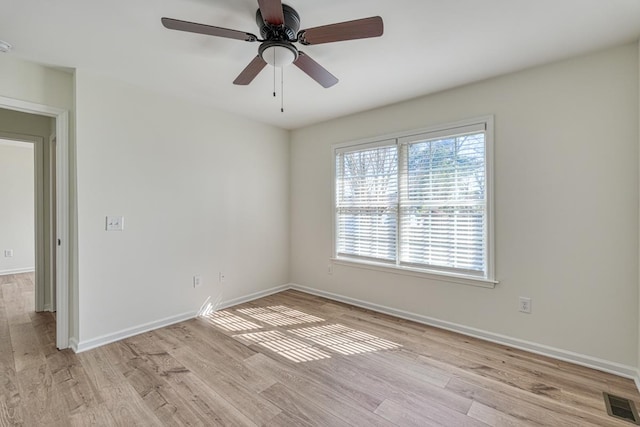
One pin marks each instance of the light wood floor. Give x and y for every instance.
(290, 359)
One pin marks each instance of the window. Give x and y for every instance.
(419, 202)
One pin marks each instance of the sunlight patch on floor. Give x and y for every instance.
(279, 315)
(288, 347)
(302, 344)
(230, 322)
(344, 340)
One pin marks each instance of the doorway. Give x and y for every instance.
(26, 230)
(52, 217)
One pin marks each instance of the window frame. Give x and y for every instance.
(397, 139)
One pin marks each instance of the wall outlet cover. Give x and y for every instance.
(114, 223)
(524, 305)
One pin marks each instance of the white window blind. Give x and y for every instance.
(443, 203)
(417, 202)
(367, 203)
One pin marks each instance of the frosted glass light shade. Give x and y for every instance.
(278, 56)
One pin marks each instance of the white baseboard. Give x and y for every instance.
(544, 350)
(81, 346)
(17, 271)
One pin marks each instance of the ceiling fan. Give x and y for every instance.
(279, 25)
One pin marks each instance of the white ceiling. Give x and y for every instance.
(427, 46)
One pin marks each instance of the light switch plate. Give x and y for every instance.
(197, 281)
(115, 223)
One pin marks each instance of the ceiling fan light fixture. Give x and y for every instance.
(278, 54)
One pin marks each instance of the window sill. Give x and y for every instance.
(407, 271)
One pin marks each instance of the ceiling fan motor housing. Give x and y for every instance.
(278, 53)
(286, 32)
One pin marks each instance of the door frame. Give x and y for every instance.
(62, 208)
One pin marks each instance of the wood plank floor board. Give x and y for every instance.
(522, 374)
(307, 410)
(408, 363)
(403, 383)
(72, 382)
(167, 386)
(592, 404)
(10, 398)
(287, 419)
(561, 373)
(4, 322)
(127, 408)
(212, 354)
(17, 304)
(349, 385)
(27, 349)
(543, 371)
(366, 378)
(213, 371)
(210, 405)
(202, 330)
(125, 405)
(238, 393)
(42, 404)
(93, 417)
(543, 411)
(100, 370)
(495, 418)
(44, 327)
(402, 413)
(6, 348)
(159, 397)
(348, 408)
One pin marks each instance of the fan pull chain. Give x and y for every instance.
(282, 90)
(274, 73)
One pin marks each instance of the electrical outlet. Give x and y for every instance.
(197, 281)
(8, 253)
(524, 305)
(115, 223)
(222, 277)
(330, 269)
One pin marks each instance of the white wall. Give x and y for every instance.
(201, 191)
(32, 82)
(17, 215)
(566, 193)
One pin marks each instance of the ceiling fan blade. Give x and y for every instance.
(316, 71)
(209, 30)
(350, 30)
(250, 72)
(271, 11)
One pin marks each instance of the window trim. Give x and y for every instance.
(487, 281)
